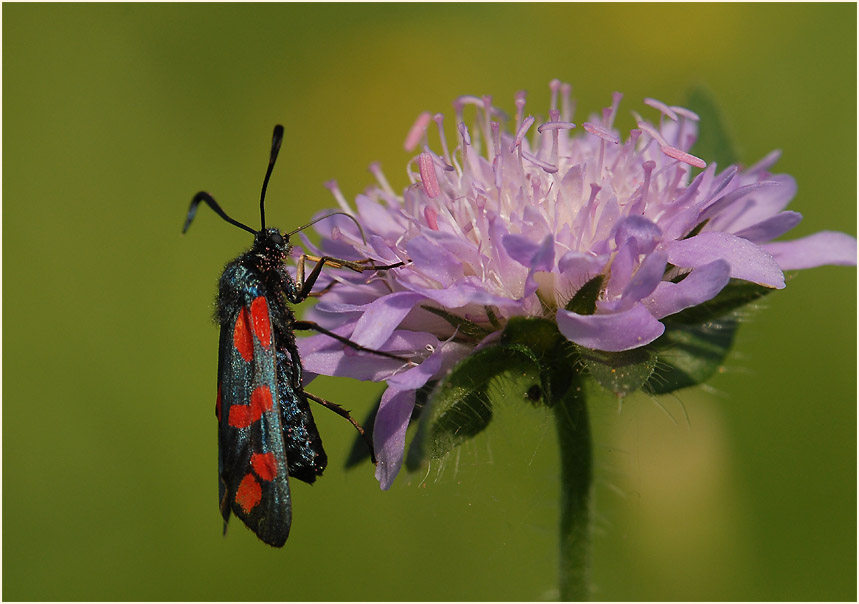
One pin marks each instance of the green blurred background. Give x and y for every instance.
(115, 115)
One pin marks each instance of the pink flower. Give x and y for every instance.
(520, 215)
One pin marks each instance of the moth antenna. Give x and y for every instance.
(210, 201)
(276, 139)
(312, 222)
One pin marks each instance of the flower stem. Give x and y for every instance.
(571, 418)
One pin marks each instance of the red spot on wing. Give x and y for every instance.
(242, 416)
(249, 493)
(261, 401)
(261, 323)
(218, 405)
(265, 465)
(242, 338)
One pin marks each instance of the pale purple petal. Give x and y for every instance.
(384, 222)
(389, 433)
(537, 257)
(520, 248)
(765, 202)
(395, 410)
(825, 247)
(748, 261)
(584, 266)
(612, 332)
(327, 356)
(700, 285)
(622, 267)
(645, 279)
(467, 291)
(434, 261)
(645, 233)
(416, 377)
(382, 316)
(769, 229)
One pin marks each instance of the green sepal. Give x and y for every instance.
(689, 354)
(736, 294)
(619, 372)
(697, 340)
(584, 302)
(714, 143)
(461, 405)
(555, 354)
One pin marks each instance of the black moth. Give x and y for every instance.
(266, 431)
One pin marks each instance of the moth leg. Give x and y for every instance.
(310, 325)
(344, 413)
(306, 284)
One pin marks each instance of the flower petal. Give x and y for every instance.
(389, 433)
(382, 316)
(612, 332)
(702, 284)
(395, 409)
(434, 261)
(646, 278)
(467, 291)
(645, 233)
(825, 247)
(748, 261)
(520, 248)
(772, 227)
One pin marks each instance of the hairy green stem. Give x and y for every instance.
(574, 437)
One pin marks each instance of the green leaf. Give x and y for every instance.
(736, 294)
(714, 142)
(689, 354)
(619, 372)
(697, 340)
(461, 405)
(584, 302)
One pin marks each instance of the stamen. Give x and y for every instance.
(554, 116)
(546, 166)
(376, 170)
(332, 186)
(615, 101)
(431, 217)
(662, 108)
(554, 86)
(439, 118)
(682, 156)
(417, 131)
(653, 132)
(466, 143)
(520, 107)
(559, 125)
(567, 107)
(688, 114)
(487, 128)
(428, 177)
(639, 205)
(522, 131)
(601, 132)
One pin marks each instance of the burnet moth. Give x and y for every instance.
(266, 431)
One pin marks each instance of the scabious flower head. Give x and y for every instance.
(518, 216)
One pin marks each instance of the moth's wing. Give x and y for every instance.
(252, 457)
(304, 452)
